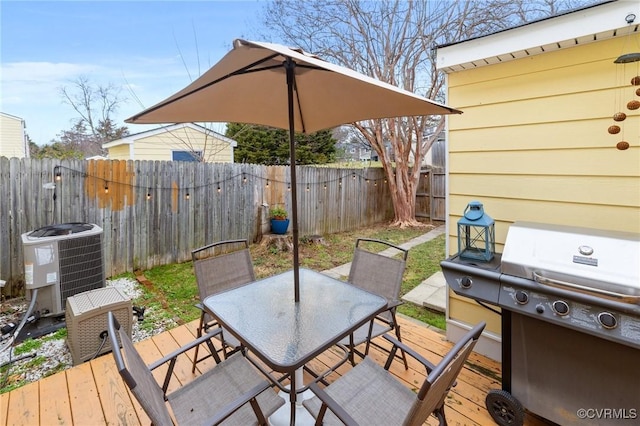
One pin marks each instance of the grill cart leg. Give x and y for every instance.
(503, 407)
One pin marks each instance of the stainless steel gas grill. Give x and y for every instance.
(570, 300)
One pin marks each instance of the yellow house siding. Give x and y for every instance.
(12, 137)
(153, 148)
(532, 145)
(459, 307)
(576, 134)
(160, 144)
(538, 136)
(120, 152)
(160, 147)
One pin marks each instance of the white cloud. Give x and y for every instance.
(31, 90)
(37, 82)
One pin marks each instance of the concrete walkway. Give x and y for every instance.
(431, 293)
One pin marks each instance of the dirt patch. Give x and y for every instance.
(159, 295)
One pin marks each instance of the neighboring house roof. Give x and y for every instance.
(128, 140)
(11, 116)
(581, 26)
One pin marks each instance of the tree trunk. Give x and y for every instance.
(403, 170)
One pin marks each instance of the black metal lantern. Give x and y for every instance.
(476, 234)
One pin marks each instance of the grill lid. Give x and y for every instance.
(606, 263)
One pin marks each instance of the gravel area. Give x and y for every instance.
(51, 354)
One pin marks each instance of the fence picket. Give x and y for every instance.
(140, 233)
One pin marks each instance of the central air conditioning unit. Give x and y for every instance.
(60, 261)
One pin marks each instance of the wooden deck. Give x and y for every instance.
(93, 393)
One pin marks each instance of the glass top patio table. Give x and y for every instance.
(284, 334)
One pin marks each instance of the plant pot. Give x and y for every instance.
(279, 226)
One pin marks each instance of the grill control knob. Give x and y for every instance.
(540, 309)
(560, 307)
(607, 320)
(522, 297)
(466, 282)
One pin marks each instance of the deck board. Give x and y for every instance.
(24, 406)
(53, 388)
(85, 401)
(93, 393)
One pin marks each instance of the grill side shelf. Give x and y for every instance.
(476, 281)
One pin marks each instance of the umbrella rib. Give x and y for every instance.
(243, 70)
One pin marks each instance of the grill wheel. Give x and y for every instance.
(504, 408)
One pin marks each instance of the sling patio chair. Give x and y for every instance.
(217, 273)
(219, 395)
(369, 394)
(381, 275)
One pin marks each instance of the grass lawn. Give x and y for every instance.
(169, 293)
(174, 287)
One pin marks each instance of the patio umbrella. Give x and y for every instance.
(277, 86)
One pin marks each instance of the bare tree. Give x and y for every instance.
(96, 105)
(394, 41)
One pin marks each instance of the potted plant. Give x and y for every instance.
(279, 220)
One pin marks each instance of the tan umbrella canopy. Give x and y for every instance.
(273, 85)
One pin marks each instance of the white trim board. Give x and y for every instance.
(597, 23)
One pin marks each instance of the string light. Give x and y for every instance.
(106, 185)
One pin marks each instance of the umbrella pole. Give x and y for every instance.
(290, 66)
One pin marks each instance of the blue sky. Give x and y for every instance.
(150, 49)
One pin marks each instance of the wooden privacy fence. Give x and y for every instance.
(431, 195)
(155, 212)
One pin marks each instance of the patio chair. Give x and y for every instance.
(220, 395)
(216, 273)
(368, 394)
(381, 275)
